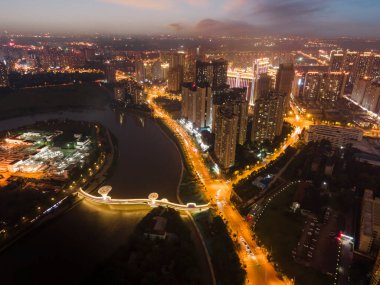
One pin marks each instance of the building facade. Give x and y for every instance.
(226, 124)
(197, 104)
(369, 222)
(268, 116)
(338, 136)
(3, 75)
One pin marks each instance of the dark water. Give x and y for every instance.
(69, 247)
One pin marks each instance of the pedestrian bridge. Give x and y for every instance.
(151, 201)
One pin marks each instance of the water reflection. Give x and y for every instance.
(66, 249)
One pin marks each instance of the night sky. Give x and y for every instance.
(230, 17)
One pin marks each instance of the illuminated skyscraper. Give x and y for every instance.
(362, 66)
(332, 86)
(328, 86)
(110, 72)
(284, 81)
(197, 104)
(175, 73)
(3, 75)
(212, 72)
(337, 61)
(226, 124)
(233, 99)
(219, 78)
(164, 71)
(260, 66)
(140, 70)
(268, 116)
(156, 71)
(203, 72)
(264, 84)
(119, 92)
(312, 86)
(359, 90)
(371, 98)
(350, 58)
(375, 66)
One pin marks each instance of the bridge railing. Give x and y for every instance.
(153, 203)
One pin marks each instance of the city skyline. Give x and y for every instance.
(194, 17)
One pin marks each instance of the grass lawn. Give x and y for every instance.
(189, 190)
(279, 231)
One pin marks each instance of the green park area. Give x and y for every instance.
(150, 260)
(227, 267)
(279, 231)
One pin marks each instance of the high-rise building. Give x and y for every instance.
(371, 98)
(119, 92)
(156, 71)
(350, 58)
(164, 71)
(359, 89)
(175, 73)
(268, 116)
(140, 70)
(133, 90)
(235, 100)
(203, 72)
(332, 86)
(197, 104)
(260, 66)
(311, 86)
(189, 68)
(336, 61)
(375, 277)
(369, 222)
(110, 72)
(226, 123)
(219, 69)
(212, 72)
(362, 66)
(284, 81)
(264, 84)
(375, 67)
(3, 75)
(328, 86)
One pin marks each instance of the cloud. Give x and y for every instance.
(234, 5)
(218, 27)
(157, 4)
(177, 27)
(146, 4)
(287, 9)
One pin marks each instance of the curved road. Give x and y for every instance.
(259, 270)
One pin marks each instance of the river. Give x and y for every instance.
(68, 248)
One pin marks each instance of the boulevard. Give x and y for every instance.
(218, 192)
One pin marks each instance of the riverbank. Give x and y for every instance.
(68, 193)
(40, 100)
(81, 238)
(207, 224)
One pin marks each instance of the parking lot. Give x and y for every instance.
(318, 245)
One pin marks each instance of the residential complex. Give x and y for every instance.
(338, 136)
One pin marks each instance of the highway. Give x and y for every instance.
(218, 191)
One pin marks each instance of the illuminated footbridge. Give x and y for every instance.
(151, 201)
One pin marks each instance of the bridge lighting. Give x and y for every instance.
(152, 198)
(103, 191)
